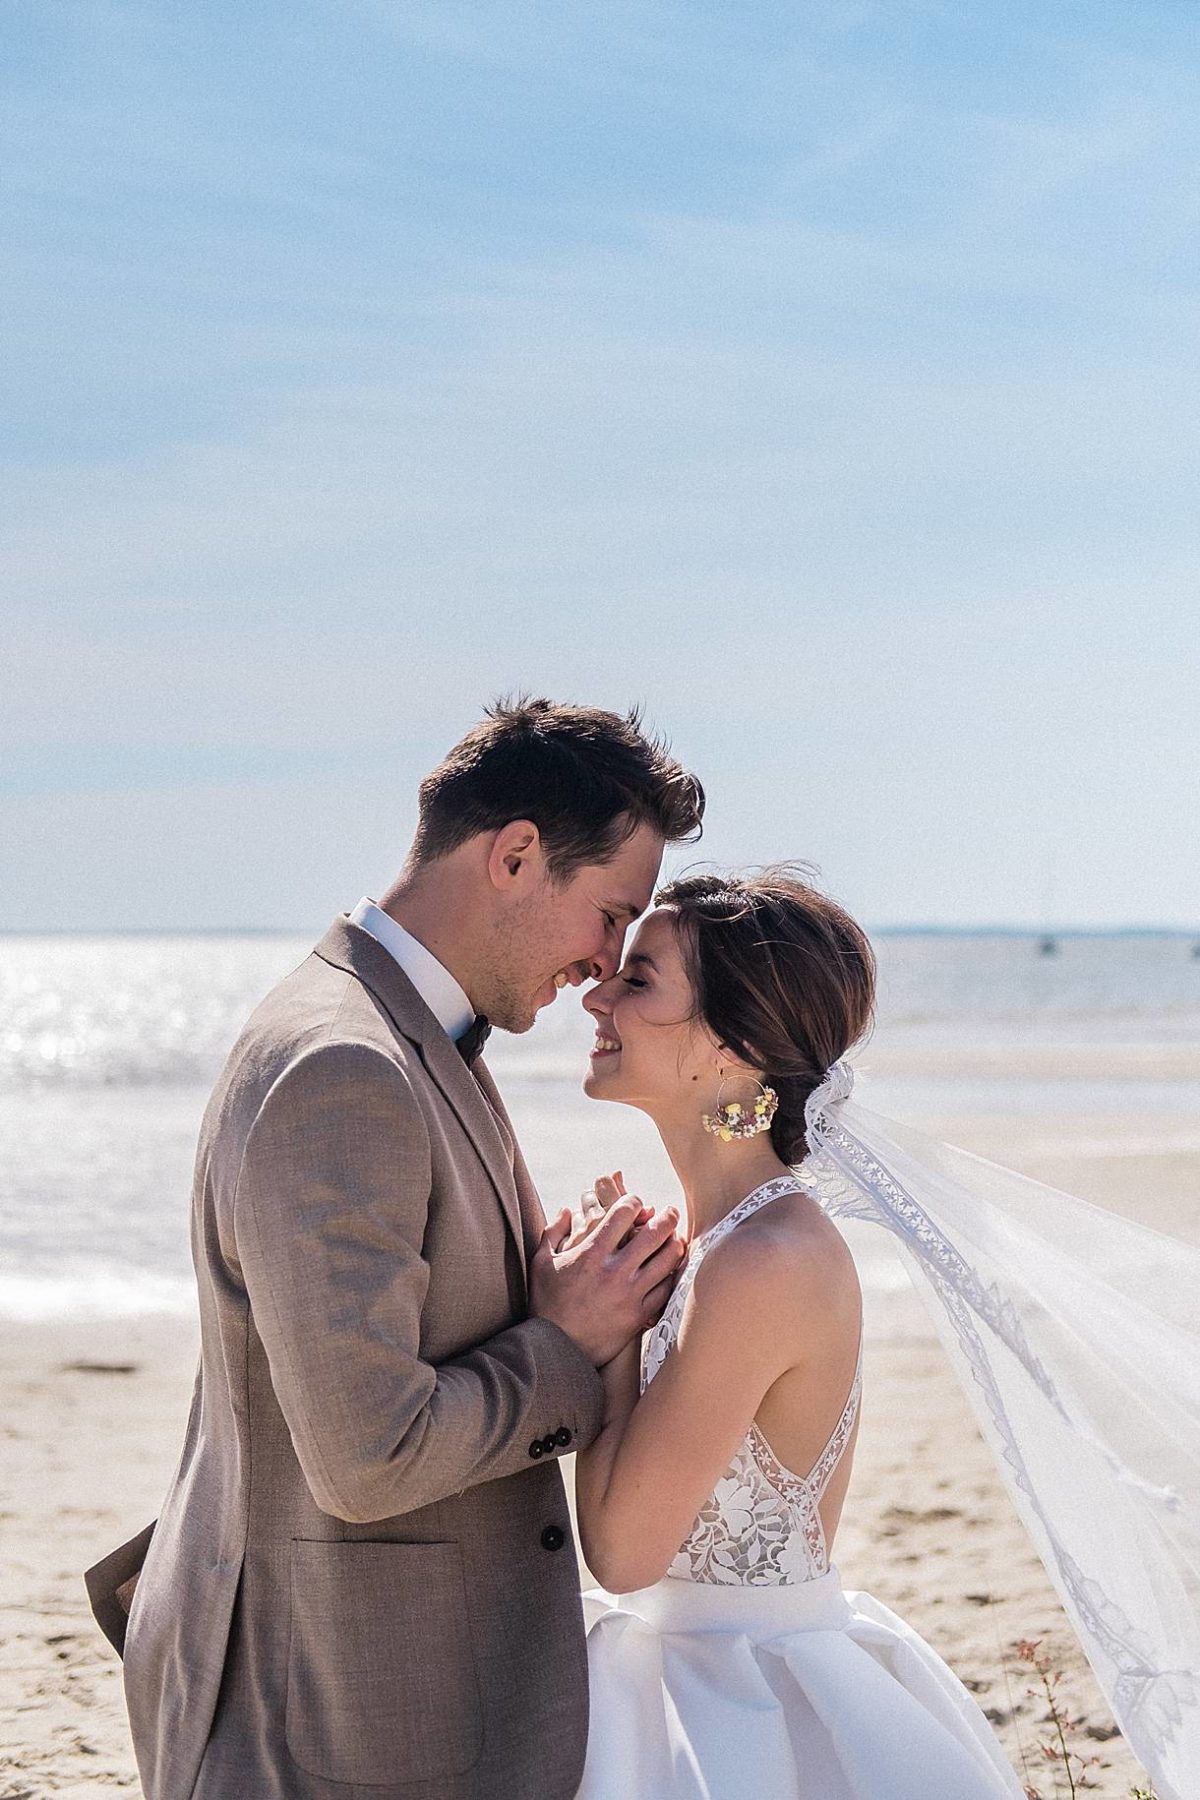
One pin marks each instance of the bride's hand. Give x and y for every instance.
(604, 1193)
(597, 1199)
(565, 1233)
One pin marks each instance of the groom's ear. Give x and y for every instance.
(515, 847)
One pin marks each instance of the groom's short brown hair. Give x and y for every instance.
(586, 778)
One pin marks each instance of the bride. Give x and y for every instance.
(725, 1658)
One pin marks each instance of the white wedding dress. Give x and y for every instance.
(748, 1673)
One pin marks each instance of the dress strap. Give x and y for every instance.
(700, 1246)
(759, 1197)
(821, 1473)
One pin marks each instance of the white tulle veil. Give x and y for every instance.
(1074, 1333)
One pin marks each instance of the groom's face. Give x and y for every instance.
(564, 933)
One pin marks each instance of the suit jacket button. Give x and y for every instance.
(537, 1448)
(553, 1538)
(549, 1444)
(562, 1437)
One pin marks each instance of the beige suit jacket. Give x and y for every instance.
(363, 1580)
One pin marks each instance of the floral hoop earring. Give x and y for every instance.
(733, 1120)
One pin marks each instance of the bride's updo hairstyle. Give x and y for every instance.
(781, 974)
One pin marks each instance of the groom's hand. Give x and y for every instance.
(610, 1282)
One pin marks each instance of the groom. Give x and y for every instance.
(362, 1582)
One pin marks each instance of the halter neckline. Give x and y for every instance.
(766, 1190)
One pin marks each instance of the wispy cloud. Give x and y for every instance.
(829, 383)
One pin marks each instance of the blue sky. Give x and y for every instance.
(824, 377)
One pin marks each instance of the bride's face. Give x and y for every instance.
(651, 1050)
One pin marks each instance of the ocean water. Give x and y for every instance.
(109, 1045)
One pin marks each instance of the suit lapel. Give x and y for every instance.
(463, 1092)
(533, 1217)
(349, 947)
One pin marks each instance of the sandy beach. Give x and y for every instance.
(93, 1412)
(91, 1419)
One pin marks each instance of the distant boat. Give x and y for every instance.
(1048, 946)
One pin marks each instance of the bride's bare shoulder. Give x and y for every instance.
(785, 1264)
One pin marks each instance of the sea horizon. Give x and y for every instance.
(110, 1043)
(1049, 929)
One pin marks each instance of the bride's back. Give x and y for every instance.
(772, 1516)
(800, 1413)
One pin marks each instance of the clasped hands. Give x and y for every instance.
(606, 1281)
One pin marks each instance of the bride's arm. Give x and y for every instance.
(622, 1378)
(757, 1308)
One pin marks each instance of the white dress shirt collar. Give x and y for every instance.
(437, 987)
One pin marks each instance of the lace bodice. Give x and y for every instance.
(762, 1524)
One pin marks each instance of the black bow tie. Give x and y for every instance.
(473, 1039)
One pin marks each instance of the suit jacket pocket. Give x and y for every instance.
(381, 1673)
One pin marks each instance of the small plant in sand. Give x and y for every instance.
(1057, 1749)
